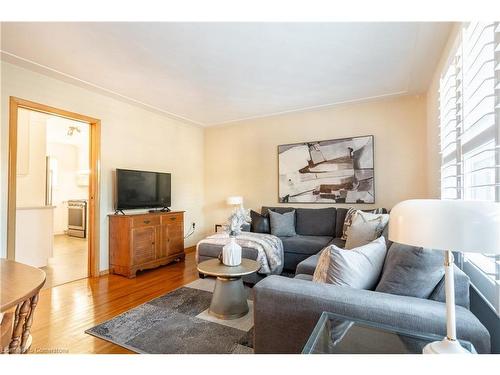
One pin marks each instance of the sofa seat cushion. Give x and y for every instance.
(307, 266)
(315, 221)
(305, 244)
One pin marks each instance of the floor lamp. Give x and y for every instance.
(450, 225)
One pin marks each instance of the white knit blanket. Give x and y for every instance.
(269, 249)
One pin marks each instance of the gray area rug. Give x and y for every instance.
(169, 325)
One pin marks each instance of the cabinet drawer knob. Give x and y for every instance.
(172, 218)
(147, 221)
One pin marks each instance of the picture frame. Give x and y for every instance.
(329, 171)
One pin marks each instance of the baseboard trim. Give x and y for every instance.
(190, 249)
(187, 250)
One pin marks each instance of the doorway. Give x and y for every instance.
(53, 191)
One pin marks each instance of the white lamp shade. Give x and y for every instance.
(235, 200)
(456, 225)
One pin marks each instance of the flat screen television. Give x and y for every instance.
(141, 189)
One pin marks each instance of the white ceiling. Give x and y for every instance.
(211, 73)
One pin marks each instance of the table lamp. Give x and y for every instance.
(234, 201)
(449, 225)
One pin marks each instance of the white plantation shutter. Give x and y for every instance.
(469, 109)
(448, 128)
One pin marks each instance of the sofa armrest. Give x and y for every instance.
(286, 311)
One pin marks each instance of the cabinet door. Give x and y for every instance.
(163, 246)
(172, 239)
(175, 238)
(144, 244)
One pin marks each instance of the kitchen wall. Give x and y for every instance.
(30, 184)
(66, 185)
(131, 137)
(68, 148)
(241, 158)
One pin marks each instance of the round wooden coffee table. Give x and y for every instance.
(229, 300)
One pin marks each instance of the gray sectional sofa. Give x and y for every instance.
(287, 309)
(315, 228)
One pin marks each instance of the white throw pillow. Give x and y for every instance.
(365, 228)
(357, 268)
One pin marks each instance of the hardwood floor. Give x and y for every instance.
(68, 262)
(66, 311)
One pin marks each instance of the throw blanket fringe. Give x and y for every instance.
(269, 249)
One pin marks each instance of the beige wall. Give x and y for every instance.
(131, 137)
(241, 158)
(433, 156)
(210, 164)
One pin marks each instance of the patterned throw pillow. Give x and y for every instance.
(365, 228)
(321, 269)
(348, 221)
(349, 216)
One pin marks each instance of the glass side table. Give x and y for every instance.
(337, 334)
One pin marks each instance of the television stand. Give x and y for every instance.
(164, 209)
(140, 241)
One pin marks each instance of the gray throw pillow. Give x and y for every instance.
(259, 223)
(282, 225)
(411, 271)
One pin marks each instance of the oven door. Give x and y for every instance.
(76, 216)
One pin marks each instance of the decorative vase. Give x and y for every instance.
(231, 253)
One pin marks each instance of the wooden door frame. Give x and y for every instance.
(94, 177)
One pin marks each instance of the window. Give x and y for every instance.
(469, 108)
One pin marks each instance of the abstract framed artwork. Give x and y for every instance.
(331, 171)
